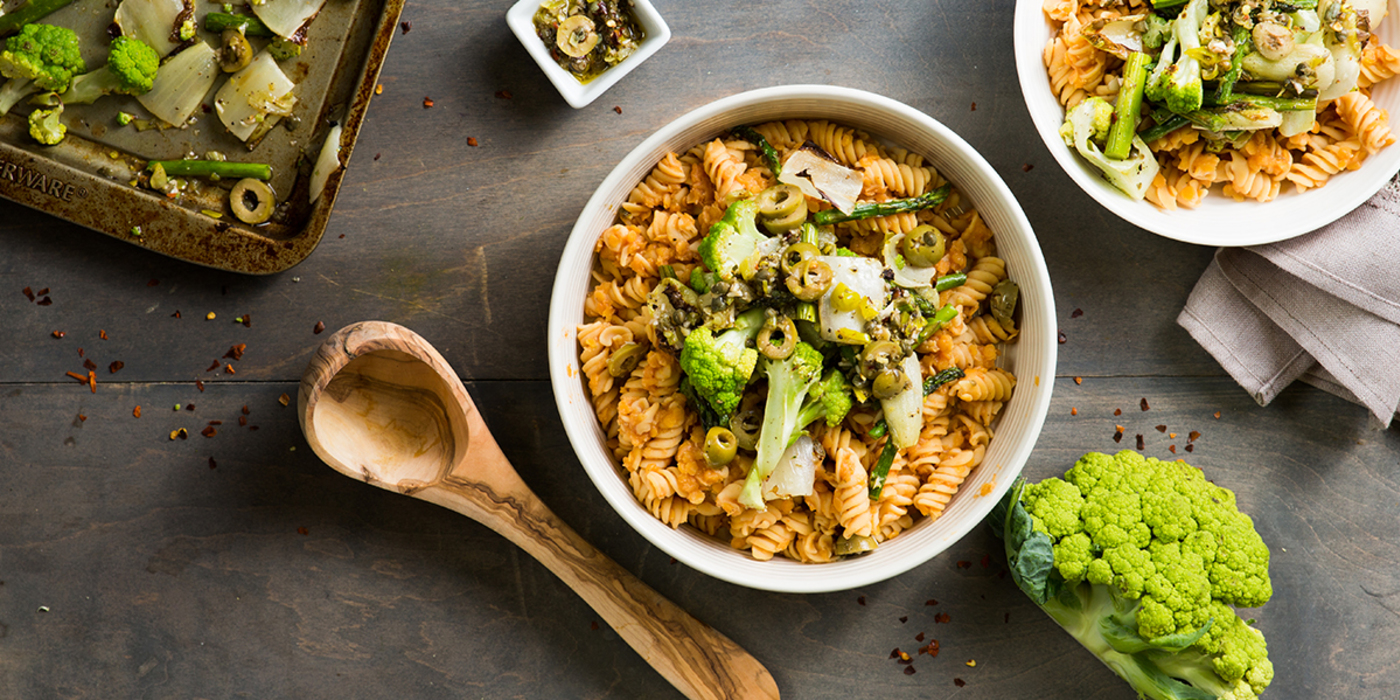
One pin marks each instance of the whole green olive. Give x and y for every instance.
(1002, 303)
(625, 359)
(778, 338)
(810, 279)
(888, 383)
(720, 446)
(796, 254)
(923, 247)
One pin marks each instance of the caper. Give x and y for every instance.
(854, 544)
(1002, 302)
(251, 201)
(797, 254)
(779, 201)
(844, 298)
(777, 339)
(720, 446)
(923, 247)
(745, 424)
(235, 53)
(577, 36)
(810, 279)
(625, 359)
(888, 383)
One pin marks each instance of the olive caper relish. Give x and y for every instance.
(587, 37)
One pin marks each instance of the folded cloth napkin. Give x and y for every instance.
(1323, 308)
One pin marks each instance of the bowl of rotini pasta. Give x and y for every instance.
(1230, 123)
(802, 338)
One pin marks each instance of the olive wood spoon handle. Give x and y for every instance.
(379, 404)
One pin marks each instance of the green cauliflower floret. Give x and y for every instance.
(829, 399)
(1085, 128)
(719, 366)
(130, 70)
(1155, 31)
(731, 246)
(1143, 562)
(789, 381)
(1176, 81)
(45, 127)
(39, 57)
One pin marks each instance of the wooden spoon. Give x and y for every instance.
(379, 404)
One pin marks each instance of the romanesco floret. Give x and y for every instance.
(1142, 560)
(39, 57)
(130, 70)
(733, 240)
(829, 399)
(719, 366)
(45, 127)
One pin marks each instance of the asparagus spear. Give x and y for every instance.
(217, 22)
(770, 155)
(1162, 128)
(1129, 107)
(1224, 90)
(1280, 104)
(32, 11)
(206, 168)
(882, 470)
(927, 200)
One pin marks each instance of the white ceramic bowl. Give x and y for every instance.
(1219, 220)
(579, 95)
(1032, 358)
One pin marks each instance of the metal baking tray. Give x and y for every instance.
(87, 178)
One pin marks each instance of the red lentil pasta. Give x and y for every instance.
(1345, 132)
(658, 439)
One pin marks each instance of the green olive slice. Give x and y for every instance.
(625, 359)
(746, 425)
(880, 353)
(923, 247)
(235, 52)
(778, 338)
(577, 36)
(855, 544)
(720, 446)
(779, 201)
(1002, 302)
(783, 224)
(797, 254)
(810, 279)
(251, 201)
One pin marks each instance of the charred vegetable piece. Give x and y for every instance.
(770, 154)
(882, 469)
(251, 201)
(928, 200)
(952, 374)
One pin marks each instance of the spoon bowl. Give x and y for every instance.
(377, 403)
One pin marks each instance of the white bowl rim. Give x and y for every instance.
(1290, 215)
(581, 424)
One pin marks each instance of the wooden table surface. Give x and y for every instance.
(233, 566)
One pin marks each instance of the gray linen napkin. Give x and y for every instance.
(1323, 308)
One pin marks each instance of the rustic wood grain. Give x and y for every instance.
(166, 578)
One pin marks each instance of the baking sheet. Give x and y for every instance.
(87, 178)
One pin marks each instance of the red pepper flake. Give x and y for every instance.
(959, 682)
(1001, 574)
(284, 399)
(242, 421)
(471, 141)
(116, 365)
(213, 464)
(80, 352)
(376, 157)
(102, 334)
(1078, 380)
(504, 94)
(209, 431)
(964, 564)
(1171, 448)
(189, 407)
(89, 364)
(1118, 434)
(1217, 415)
(1161, 428)
(617, 108)
(406, 26)
(92, 382)
(931, 648)
(176, 314)
(673, 561)
(1025, 168)
(930, 601)
(318, 328)
(236, 352)
(1140, 444)
(228, 369)
(1117, 411)
(909, 670)
(904, 619)
(245, 410)
(136, 412)
(919, 638)
(252, 427)
(1006, 618)
(1171, 435)
(974, 107)
(861, 600)
(1061, 338)
(28, 292)
(1190, 448)
(1076, 313)
(199, 385)
(427, 103)
(82, 418)
(153, 283)
(593, 625)
(942, 617)
(895, 654)
(1073, 411)
(216, 422)
(45, 302)
(246, 320)
(1195, 435)
(58, 334)
(43, 291)
(986, 561)
(304, 531)
(1143, 404)
(213, 366)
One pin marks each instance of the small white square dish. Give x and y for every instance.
(520, 17)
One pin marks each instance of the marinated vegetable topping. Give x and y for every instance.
(587, 38)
